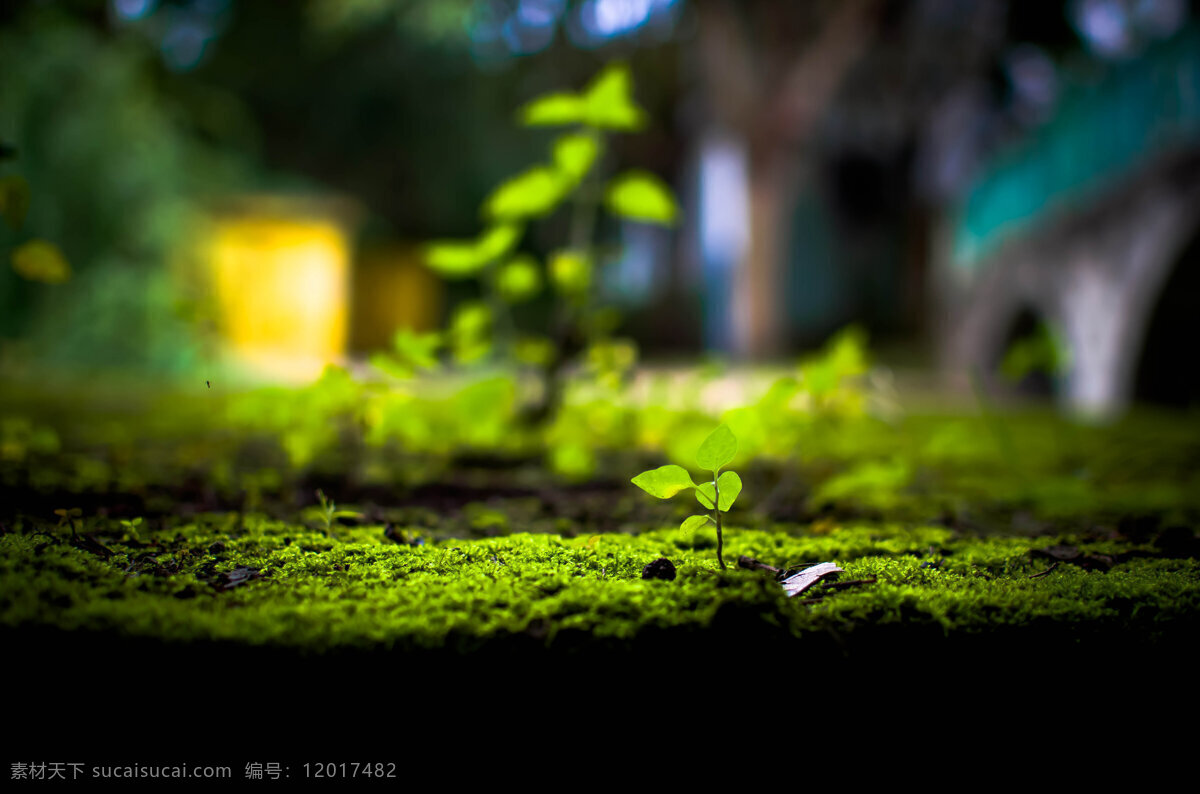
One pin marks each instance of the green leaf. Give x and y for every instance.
(571, 272)
(461, 258)
(880, 484)
(694, 522)
(844, 356)
(616, 356)
(470, 332)
(717, 450)
(471, 318)
(730, 485)
(38, 260)
(665, 481)
(531, 193)
(608, 101)
(575, 154)
(1043, 351)
(390, 366)
(498, 241)
(519, 279)
(641, 196)
(573, 460)
(537, 351)
(412, 351)
(453, 259)
(554, 110)
(415, 349)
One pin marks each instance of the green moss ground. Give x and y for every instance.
(357, 588)
(487, 584)
(481, 576)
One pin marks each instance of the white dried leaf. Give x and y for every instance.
(797, 583)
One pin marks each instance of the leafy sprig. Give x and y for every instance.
(571, 175)
(718, 495)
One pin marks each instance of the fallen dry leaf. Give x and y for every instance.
(797, 583)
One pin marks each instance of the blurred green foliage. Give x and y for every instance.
(34, 260)
(842, 452)
(114, 170)
(38, 260)
(508, 276)
(1043, 351)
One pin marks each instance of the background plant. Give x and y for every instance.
(509, 276)
(115, 168)
(327, 514)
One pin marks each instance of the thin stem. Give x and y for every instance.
(502, 321)
(566, 316)
(717, 513)
(585, 214)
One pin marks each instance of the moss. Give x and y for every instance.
(362, 590)
(464, 550)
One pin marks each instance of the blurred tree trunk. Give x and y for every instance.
(769, 77)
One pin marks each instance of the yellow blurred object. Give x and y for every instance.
(281, 273)
(393, 289)
(38, 260)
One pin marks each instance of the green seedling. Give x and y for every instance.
(328, 513)
(71, 518)
(718, 495)
(131, 527)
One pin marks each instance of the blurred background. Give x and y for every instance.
(989, 188)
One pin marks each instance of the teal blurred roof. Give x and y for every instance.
(1102, 131)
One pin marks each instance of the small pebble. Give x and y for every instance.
(662, 568)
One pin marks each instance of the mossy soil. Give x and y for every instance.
(249, 579)
(252, 580)
(1080, 555)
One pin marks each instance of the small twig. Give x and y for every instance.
(89, 543)
(800, 566)
(754, 565)
(1043, 573)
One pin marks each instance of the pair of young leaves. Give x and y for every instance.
(606, 105)
(719, 494)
